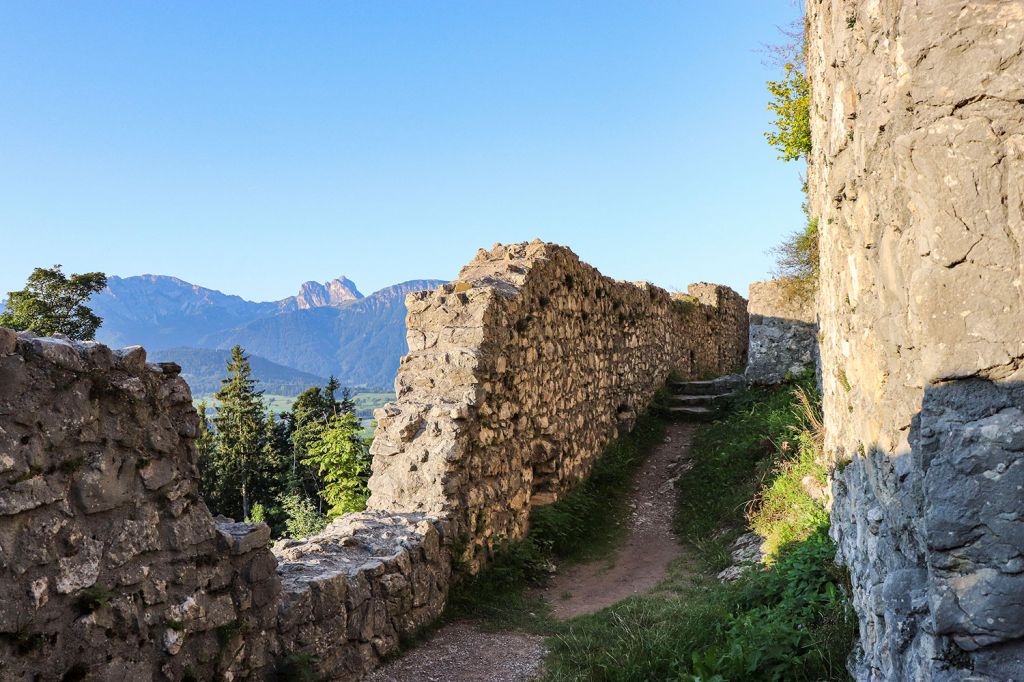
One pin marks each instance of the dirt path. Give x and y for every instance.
(462, 651)
(650, 546)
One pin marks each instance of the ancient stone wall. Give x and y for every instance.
(521, 372)
(783, 333)
(917, 181)
(111, 567)
(352, 591)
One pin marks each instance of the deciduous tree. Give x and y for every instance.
(55, 303)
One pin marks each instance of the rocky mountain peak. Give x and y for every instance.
(327, 294)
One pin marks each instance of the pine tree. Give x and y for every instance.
(206, 449)
(248, 466)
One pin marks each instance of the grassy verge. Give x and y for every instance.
(585, 523)
(787, 621)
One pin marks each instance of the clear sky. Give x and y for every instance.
(251, 146)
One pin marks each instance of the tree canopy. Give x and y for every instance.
(296, 470)
(341, 458)
(245, 466)
(55, 303)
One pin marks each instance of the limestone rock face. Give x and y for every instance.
(783, 334)
(111, 567)
(917, 182)
(333, 293)
(521, 372)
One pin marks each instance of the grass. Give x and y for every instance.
(733, 459)
(585, 523)
(787, 621)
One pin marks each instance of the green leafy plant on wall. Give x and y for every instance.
(791, 99)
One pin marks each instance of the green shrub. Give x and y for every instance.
(301, 516)
(797, 263)
(791, 100)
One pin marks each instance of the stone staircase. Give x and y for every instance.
(702, 401)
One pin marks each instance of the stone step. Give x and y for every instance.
(696, 400)
(726, 384)
(693, 414)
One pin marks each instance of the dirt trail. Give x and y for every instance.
(641, 561)
(464, 652)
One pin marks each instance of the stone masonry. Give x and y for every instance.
(917, 181)
(783, 333)
(521, 372)
(111, 567)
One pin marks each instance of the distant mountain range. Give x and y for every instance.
(327, 328)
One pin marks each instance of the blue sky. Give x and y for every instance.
(251, 146)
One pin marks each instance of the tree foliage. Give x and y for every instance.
(791, 98)
(796, 262)
(301, 517)
(55, 303)
(245, 466)
(341, 458)
(796, 258)
(295, 471)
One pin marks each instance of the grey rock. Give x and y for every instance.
(242, 538)
(915, 178)
(8, 341)
(783, 334)
(133, 358)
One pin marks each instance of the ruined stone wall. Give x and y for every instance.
(111, 567)
(521, 372)
(352, 591)
(783, 333)
(917, 179)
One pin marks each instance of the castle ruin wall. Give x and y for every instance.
(917, 181)
(518, 375)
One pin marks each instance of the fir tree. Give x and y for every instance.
(247, 465)
(206, 450)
